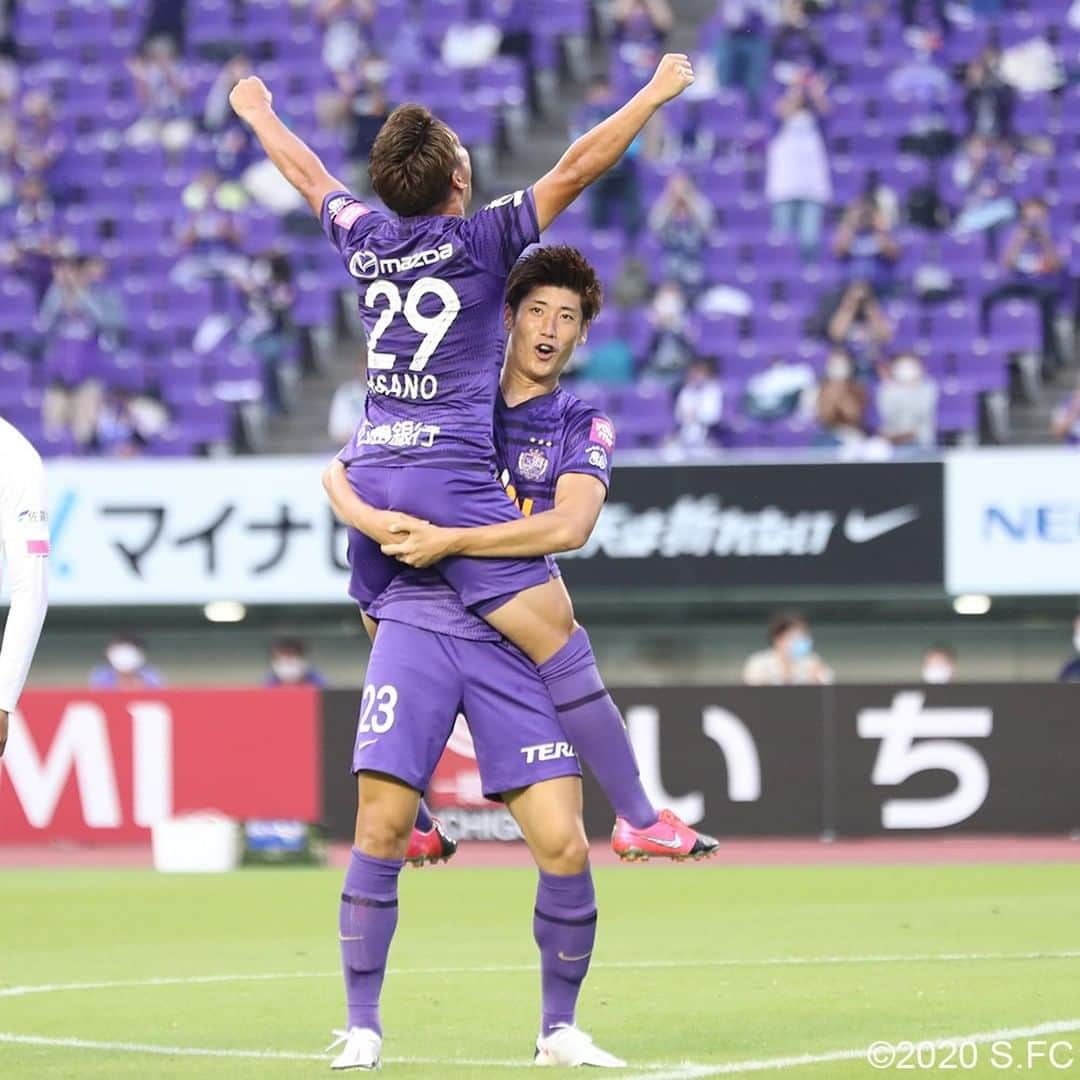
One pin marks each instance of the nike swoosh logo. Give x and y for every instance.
(860, 529)
(666, 843)
(360, 746)
(563, 956)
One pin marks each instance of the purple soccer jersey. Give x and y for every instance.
(537, 441)
(431, 300)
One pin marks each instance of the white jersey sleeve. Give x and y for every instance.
(24, 540)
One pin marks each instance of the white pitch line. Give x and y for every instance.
(72, 1043)
(698, 1072)
(503, 969)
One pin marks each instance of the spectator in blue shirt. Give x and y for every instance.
(291, 666)
(126, 667)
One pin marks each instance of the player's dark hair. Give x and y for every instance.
(412, 161)
(561, 266)
(782, 622)
(292, 645)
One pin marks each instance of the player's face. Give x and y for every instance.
(545, 331)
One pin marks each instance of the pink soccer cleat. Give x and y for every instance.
(432, 846)
(668, 838)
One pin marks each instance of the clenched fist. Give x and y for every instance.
(248, 96)
(673, 75)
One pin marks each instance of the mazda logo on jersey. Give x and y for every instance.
(364, 264)
(860, 524)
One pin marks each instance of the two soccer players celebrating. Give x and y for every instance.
(490, 629)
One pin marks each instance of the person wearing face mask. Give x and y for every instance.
(126, 667)
(1071, 671)
(290, 665)
(939, 665)
(841, 401)
(907, 404)
(790, 659)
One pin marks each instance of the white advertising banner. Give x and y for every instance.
(257, 530)
(1012, 521)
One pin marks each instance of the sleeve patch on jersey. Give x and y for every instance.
(33, 517)
(603, 432)
(344, 210)
(37, 547)
(596, 457)
(515, 197)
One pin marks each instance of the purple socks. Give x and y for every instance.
(423, 817)
(564, 926)
(594, 726)
(366, 923)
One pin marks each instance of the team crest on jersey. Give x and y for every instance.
(596, 457)
(533, 464)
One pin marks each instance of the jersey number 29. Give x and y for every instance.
(433, 327)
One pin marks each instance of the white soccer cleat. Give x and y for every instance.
(570, 1047)
(363, 1049)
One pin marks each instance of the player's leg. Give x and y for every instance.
(520, 752)
(410, 700)
(594, 726)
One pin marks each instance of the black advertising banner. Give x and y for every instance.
(736, 759)
(972, 758)
(843, 761)
(767, 525)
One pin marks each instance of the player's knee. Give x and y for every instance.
(380, 837)
(565, 852)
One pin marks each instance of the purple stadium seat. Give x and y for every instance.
(645, 416)
(1015, 325)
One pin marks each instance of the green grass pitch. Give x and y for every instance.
(695, 968)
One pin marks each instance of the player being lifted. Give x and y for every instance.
(431, 298)
(432, 657)
(556, 455)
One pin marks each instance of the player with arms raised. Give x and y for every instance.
(432, 285)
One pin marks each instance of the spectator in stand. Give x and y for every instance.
(924, 87)
(211, 234)
(1071, 671)
(989, 100)
(907, 400)
(670, 350)
(797, 180)
(1036, 272)
(640, 28)
(790, 659)
(616, 196)
(347, 407)
(34, 243)
(40, 142)
(795, 45)
(73, 410)
(841, 401)
(979, 179)
(864, 242)
(471, 44)
(358, 105)
(742, 51)
(127, 422)
(234, 148)
(682, 220)
(1066, 421)
(291, 666)
(267, 285)
(939, 665)
(861, 326)
(9, 166)
(781, 391)
(126, 667)
(350, 28)
(699, 405)
(70, 308)
(161, 87)
(909, 9)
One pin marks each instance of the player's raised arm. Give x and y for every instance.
(590, 156)
(292, 157)
(579, 498)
